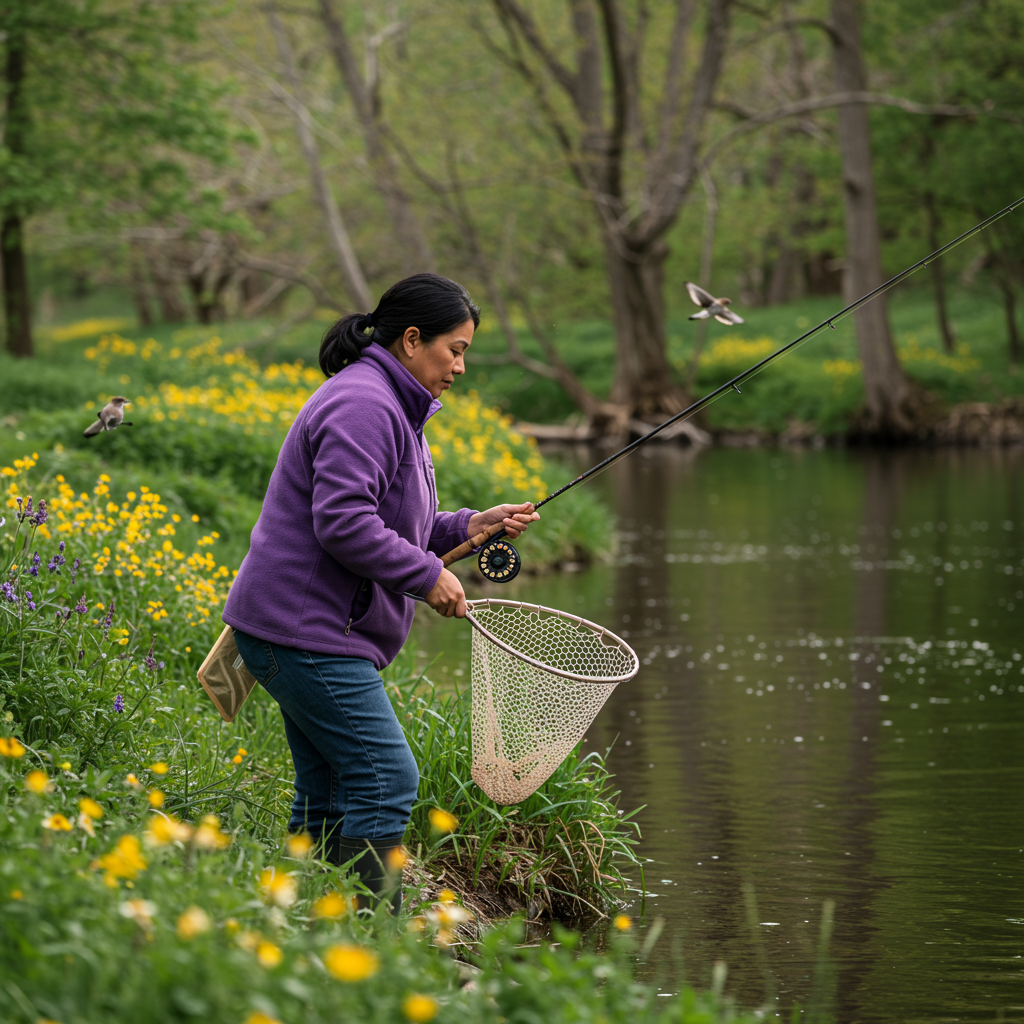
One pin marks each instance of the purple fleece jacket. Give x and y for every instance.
(350, 520)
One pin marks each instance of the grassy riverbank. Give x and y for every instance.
(816, 389)
(145, 873)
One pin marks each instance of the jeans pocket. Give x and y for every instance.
(258, 656)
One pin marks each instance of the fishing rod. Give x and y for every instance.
(499, 561)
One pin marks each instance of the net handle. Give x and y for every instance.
(599, 631)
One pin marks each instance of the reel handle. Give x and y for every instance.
(467, 547)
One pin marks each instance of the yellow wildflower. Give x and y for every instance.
(124, 861)
(622, 922)
(165, 828)
(442, 821)
(160, 768)
(279, 887)
(209, 836)
(446, 896)
(299, 845)
(330, 905)
(85, 824)
(396, 858)
(57, 823)
(268, 954)
(156, 798)
(17, 894)
(242, 753)
(90, 807)
(141, 912)
(10, 747)
(351, 963)
(131, 781)
(259, 1017)
(419, 1009)
(38, 782)
(192, 922)
(65, 766)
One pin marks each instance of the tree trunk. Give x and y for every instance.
(415, 254)
(140, 290)
(887, 390)
(344, 251)
(17, 308)
(1010, 308)
(643, 383)
(938, 283)
(168, 291)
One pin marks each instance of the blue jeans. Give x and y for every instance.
(354, 771)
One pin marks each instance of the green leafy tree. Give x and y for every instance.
(102, 109)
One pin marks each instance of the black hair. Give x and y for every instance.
(434, 304)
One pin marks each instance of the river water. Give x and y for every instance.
(829, 713)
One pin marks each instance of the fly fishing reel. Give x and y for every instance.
(499, 561)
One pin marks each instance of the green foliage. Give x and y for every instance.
(110, 105)
(199, 932)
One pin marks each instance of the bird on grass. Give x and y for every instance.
(109, 417)
(710, 306)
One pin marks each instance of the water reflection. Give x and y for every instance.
(830, 707)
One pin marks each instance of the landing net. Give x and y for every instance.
(539, 678)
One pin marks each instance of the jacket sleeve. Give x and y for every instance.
(355, 454)
(450, 530)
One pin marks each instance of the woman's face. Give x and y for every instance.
(435, 365)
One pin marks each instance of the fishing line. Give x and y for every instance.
(500, 561)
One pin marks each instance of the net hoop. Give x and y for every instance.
(603, 635)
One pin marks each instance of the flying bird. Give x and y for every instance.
(718, 308)
(109, 417)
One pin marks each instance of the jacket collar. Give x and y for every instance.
(415, 398)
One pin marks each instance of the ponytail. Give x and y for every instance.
(344, 341)
(434, 304)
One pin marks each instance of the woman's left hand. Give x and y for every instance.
(515, 519)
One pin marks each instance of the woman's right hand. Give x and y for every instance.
(447, 597)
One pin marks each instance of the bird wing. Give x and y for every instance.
(727, 316)
(702, 315)
(699, 296)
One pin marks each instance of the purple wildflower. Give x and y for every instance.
(81, 655)
(151, 663)
(81, 607)
(33, 569)
(26, 512)
(55, 563)
(109, 619)
(9, 593)
(119, 704)
(74, 570)
(40, 516)
(28, 600)
(60, 547)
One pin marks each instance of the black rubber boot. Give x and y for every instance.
(369, 862)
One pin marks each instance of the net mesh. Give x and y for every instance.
(539, 678)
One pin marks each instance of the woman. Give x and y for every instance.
(349, 527)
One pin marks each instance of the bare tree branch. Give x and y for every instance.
(754, 120)
(337, 234)
(296, 274)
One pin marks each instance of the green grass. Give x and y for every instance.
(115, 908)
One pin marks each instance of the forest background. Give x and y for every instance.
(268, 165)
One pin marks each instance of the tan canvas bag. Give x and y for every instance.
(225, 677)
